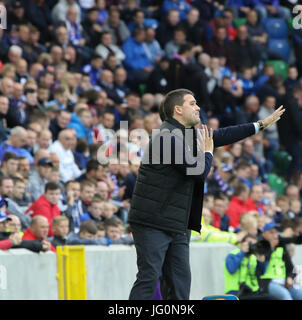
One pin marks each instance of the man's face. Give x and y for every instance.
(62, 35)
(108, 120)
(114, 18)
(53, 196)
(173, 17)
(96, 209)
(67, 140)
(221, 34)
(44, 171)
(62, 229)
(219, 207)
(24, 167)
(76, 189)
(86, 118)
(7, 187)
(14, 225)
(113, 233)
(189, 111)
(64, 119)
(87, 193)
(270, 102)
(7, 87)
(19, 189)
(4, 104)
(293, 193)
(271, 236)
(257, 193)
(44, 140)
(242, 33)
(12, 166)
(3, 226)
(24, 33)
(62, 98)
(227, 84)
(102, 190)
(40, 229)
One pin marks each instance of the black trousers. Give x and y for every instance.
(165, 255)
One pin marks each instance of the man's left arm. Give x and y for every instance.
(232, 134)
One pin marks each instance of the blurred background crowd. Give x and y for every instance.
(70, 71)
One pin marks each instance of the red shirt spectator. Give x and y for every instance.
(253, 203)
(46, 205)
(38, 230)
(237, 205)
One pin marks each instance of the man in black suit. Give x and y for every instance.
(167, 199)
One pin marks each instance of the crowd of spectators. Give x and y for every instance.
(71, 71)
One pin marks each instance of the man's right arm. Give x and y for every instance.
(233, 261)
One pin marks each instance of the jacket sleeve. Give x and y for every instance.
(5, 244)
(181, 157)
(232, 134)
(233, 261)
(32, 245)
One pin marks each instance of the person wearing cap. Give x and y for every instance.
(38, 178)
(220, 180)
(242, 269)
(278, 279)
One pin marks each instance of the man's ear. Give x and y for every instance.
(178, 109)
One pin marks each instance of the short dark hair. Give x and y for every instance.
(4, 178)
(185, 47)
(10, 155)
(239, 188)
(88, 226)
(173, 98)
(92, 165)
(52, 186)
(112, 222)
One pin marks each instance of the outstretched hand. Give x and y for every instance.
(205, 139)
(273, 118)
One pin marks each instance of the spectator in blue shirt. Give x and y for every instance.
(137, 62)
(152, 46)
(15, 143)
(94, 68)
(81, 122)
(180, 5)
(267, 8)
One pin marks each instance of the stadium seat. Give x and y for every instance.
(238, 22)
(280, 67)
(276, 183)
(275, 28)
(280, 46)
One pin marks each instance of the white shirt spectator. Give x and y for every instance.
(68, 168)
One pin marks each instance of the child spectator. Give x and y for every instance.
(87, 235)
(294, 209)
(95, 210)
(113, 232)
(60, 226)
(101, 229)
(246, 82)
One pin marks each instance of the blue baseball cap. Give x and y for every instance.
(269, 226)
(4, 216)
(44, 162)
(226, 168)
